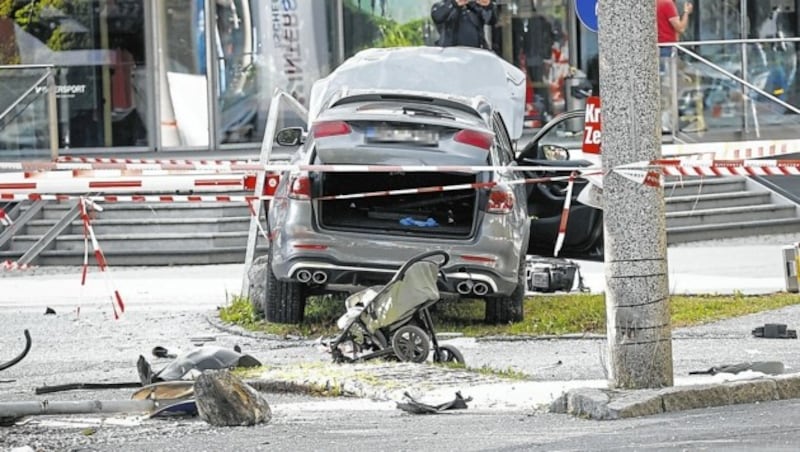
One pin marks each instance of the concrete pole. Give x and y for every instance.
(637, 291)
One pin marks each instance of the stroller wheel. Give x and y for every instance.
(411, 344)
(448, 354)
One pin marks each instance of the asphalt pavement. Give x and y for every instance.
(175, 307)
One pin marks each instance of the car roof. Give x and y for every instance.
(452, 71)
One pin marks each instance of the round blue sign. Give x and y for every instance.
(587, 13)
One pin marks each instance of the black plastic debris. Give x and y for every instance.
(774, 331)
(162, 352)
(765, 367)
(204, 358)
(415, 407)
(22, 355)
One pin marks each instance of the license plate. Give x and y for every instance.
(394, 135)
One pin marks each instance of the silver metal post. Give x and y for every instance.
(211, 71)
(745, 93)
(52, 113)
(674, 117)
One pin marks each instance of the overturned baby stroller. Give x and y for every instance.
(393, 321)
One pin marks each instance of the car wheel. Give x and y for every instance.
(285, 302)
(411, 344)
(448, 354)
(508, 309)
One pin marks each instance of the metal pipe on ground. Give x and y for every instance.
(16, 410)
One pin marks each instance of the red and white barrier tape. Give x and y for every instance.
(733, 150)
(444, 188)
(649, 173)
(117, 305)
(237, 167)
(562, 227)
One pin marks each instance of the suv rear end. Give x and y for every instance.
(333, 230)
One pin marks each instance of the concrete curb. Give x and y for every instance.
(605, 404)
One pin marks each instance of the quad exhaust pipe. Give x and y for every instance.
(469, 286)
(319, 277)
(464, 287)
(480, 288)
(307, 276)
(304, 276)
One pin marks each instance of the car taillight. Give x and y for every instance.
(300, 187)
(478, 139)
(501, 200)
(330, 129)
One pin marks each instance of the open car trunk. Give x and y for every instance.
(449, 214)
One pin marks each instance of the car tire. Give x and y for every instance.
(508, 309)
(285, 302)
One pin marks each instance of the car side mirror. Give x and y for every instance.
(554, 152)
(290, 136)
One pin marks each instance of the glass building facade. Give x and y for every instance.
(151, 75)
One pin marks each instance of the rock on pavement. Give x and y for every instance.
(223, 399)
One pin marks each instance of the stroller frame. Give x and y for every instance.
(408, 338)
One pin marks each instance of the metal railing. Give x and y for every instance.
(49, 79)
(749, 89)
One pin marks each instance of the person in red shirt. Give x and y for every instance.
(670, 24)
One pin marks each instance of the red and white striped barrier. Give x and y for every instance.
(135, 198)
(117, 305)
(114, 161)
(562, 226)
(149, 184)
(43, 167)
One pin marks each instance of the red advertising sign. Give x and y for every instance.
(591, 128)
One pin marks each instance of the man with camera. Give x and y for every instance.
(461, 22)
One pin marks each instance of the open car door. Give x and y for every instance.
(287, 123)
(558, 145)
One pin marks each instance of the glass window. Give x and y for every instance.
(99, 47)
(384, 23)
(534, 36)
(183, 103)
(711, 102)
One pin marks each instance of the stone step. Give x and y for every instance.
(134, 258)
(707, 186)
(744, 215)
(140, 242)
(716, 201)
(147, 226)
(686, 234)
(140, 211)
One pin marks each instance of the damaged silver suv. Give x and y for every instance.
(333, 230)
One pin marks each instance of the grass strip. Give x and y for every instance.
(544, 315)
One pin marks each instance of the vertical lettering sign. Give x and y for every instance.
(290, 45)
(591, 128)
